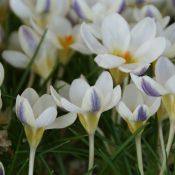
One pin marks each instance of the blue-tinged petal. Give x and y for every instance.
(2, 171)
(141, 113)
(77, 9)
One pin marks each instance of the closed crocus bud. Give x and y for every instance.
(38, 114)
(89, 102)
(2, 171)
(136, 108)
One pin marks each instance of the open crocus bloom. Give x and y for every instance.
(136, 112)
(2, 172)
(29, 40)
(89, 101)
(38, 114)
(129, 50)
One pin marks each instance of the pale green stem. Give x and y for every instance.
(91, 153)
(31, 159)
(168, 146)
(31, 79)
(48, 86)
(139, 153)
(163, 153)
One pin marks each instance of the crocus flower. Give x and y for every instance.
(163, 85)
(129, 50)
(2, 171)
(89, 102)
(38, 114)
(29, 40)
(136, 108)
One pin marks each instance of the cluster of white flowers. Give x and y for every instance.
(127, 37)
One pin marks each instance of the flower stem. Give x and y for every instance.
(139, 153)
(168, 146)
(163, 153)
(31, 159)
(91, 153)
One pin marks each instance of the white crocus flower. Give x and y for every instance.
(29, 40)
(38, 114)
(94, 10)
(128, 50)
(1, 80)
(136, 112)
(89, 102)
(136, 108)
(41, 11)
(2, 171)
(164, 86)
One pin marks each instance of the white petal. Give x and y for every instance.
(108, 61)
(169, 33)
(92, 43)
(43, 6)
(47, 117)
(31, 95)
(28, 40)
(170, 84)
(63, 103)
(124, 111)
(20, 8)
(136, 68)
(132, 97)
(164, 69)
(142, 32)
(1, 74)
(149, 86)
(63, 121)
(77, 91)
(150, 50)
(104, 83)
(24, 111)
(2, 171)
(153, 108)
(113, 100)
(16, 59)
(115, 32)
(44, 102)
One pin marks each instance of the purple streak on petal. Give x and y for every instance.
(139, 1)
(47, 6)
(20, 112)
(1, 171)
(173, 2)
(142, 116)
(29, 38)
(122, 6)
(141, 71)
(95, 101)
(149, 13)
(148, 89)
(77, 9)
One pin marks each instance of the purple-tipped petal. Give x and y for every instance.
(29, 38)
(173, 2)
(77, 9)
(95, 101)
(122, 6)
(148, 89)
(139, 2)
(142, 116)
(20, 112)
(149, 13)
(47, 6)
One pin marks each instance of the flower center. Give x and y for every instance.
(66, 41)
(126, 55)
